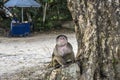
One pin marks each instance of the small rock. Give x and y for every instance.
(72, 72)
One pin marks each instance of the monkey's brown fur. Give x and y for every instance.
(61, 58)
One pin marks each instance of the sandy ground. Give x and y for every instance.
(16, 54)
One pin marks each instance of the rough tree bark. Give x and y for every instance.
(97, 26)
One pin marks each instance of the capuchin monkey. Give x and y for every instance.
(62, 53)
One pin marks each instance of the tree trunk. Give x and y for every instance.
(98, 36)
(44, 12)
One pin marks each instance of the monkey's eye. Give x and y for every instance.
(62, 38)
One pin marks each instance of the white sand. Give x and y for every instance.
(16, 53)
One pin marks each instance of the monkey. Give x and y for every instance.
(62, 53)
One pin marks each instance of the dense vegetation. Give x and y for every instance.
(50, 15)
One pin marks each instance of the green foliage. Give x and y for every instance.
(56, 11)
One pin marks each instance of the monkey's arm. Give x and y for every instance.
(72, 56)
(52, 63)
(70, 46)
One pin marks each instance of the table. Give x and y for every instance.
(20, 29)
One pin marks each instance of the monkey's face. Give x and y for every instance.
(61, 41)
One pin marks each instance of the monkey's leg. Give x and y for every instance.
(60, 60)
(52, 63)
(69, 57)
(55, 63)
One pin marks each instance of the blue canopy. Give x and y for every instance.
(22, 3)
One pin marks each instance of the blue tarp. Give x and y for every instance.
(22, 3)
